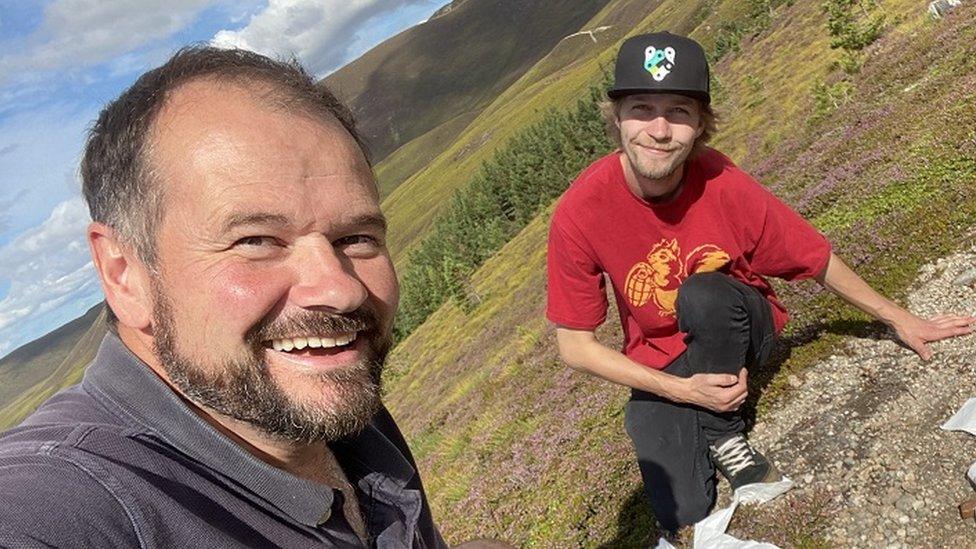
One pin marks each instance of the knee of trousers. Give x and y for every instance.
(708, 298)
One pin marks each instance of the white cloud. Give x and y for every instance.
(51, 276)
(80, 33)
(322, 33)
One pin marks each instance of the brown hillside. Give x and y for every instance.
(452, 64)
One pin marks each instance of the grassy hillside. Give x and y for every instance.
(877, 147)
(453, 64)
(882, 159)
(557, 82)
(576, 48)
(420, 151)
(37, 370)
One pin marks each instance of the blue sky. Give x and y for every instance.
(60, 60)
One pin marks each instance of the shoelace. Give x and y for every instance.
(734, 454)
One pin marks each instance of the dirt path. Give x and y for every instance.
(862, 430)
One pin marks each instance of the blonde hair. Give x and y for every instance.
(610, 111)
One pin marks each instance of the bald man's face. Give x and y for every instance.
(276, 293)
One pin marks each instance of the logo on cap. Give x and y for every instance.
(659, 62)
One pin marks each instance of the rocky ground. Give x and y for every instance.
(860, 436)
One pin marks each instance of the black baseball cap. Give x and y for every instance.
(661, 62)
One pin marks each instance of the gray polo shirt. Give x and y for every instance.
(120, 461)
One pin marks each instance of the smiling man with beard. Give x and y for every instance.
(236, 400)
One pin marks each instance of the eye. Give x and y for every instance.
(257, 247)
(357, 239)
(255, 241)
(359, 245)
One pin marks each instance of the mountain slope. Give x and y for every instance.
(37, 370)
(607, 26)
(514, 444)
(455, 63)
(510, 442)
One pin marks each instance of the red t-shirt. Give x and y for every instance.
(723, 220)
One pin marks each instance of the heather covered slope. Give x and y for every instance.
(883, 160)
(511, 443)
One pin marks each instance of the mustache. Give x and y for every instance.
(306, 322)
(666, 148)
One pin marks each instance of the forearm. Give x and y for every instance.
(912, 330)
(841, 280)
(718, 392)
(583, 352)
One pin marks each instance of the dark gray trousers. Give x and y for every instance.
(729, 325)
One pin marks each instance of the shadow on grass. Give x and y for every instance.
(636, 526)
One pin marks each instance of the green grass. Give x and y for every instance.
(454, 64)
(567, 478)
(512, 444)
(902, 197)
(412, 156)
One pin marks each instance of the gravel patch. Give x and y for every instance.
(864, 425)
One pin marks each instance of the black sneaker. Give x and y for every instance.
(740, 463)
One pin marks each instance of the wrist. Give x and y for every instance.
(891, 314)
(672, 388)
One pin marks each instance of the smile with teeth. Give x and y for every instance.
(312, 342)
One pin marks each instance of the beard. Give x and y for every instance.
(244, 389)
(656, 169)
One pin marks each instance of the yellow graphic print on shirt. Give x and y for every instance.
(658, 278)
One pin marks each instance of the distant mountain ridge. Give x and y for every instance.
(447, 8)
(455, 63)
(35, 371)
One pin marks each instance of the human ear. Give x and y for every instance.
(124, 277)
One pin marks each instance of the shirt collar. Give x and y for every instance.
(130, 389)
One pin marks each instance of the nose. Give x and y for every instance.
(325, 279)
(658, 128)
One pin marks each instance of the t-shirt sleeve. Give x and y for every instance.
(576, 289)
(787, 246)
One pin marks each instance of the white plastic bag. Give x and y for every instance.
(710, 531)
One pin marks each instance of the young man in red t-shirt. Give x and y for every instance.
(686, 239)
